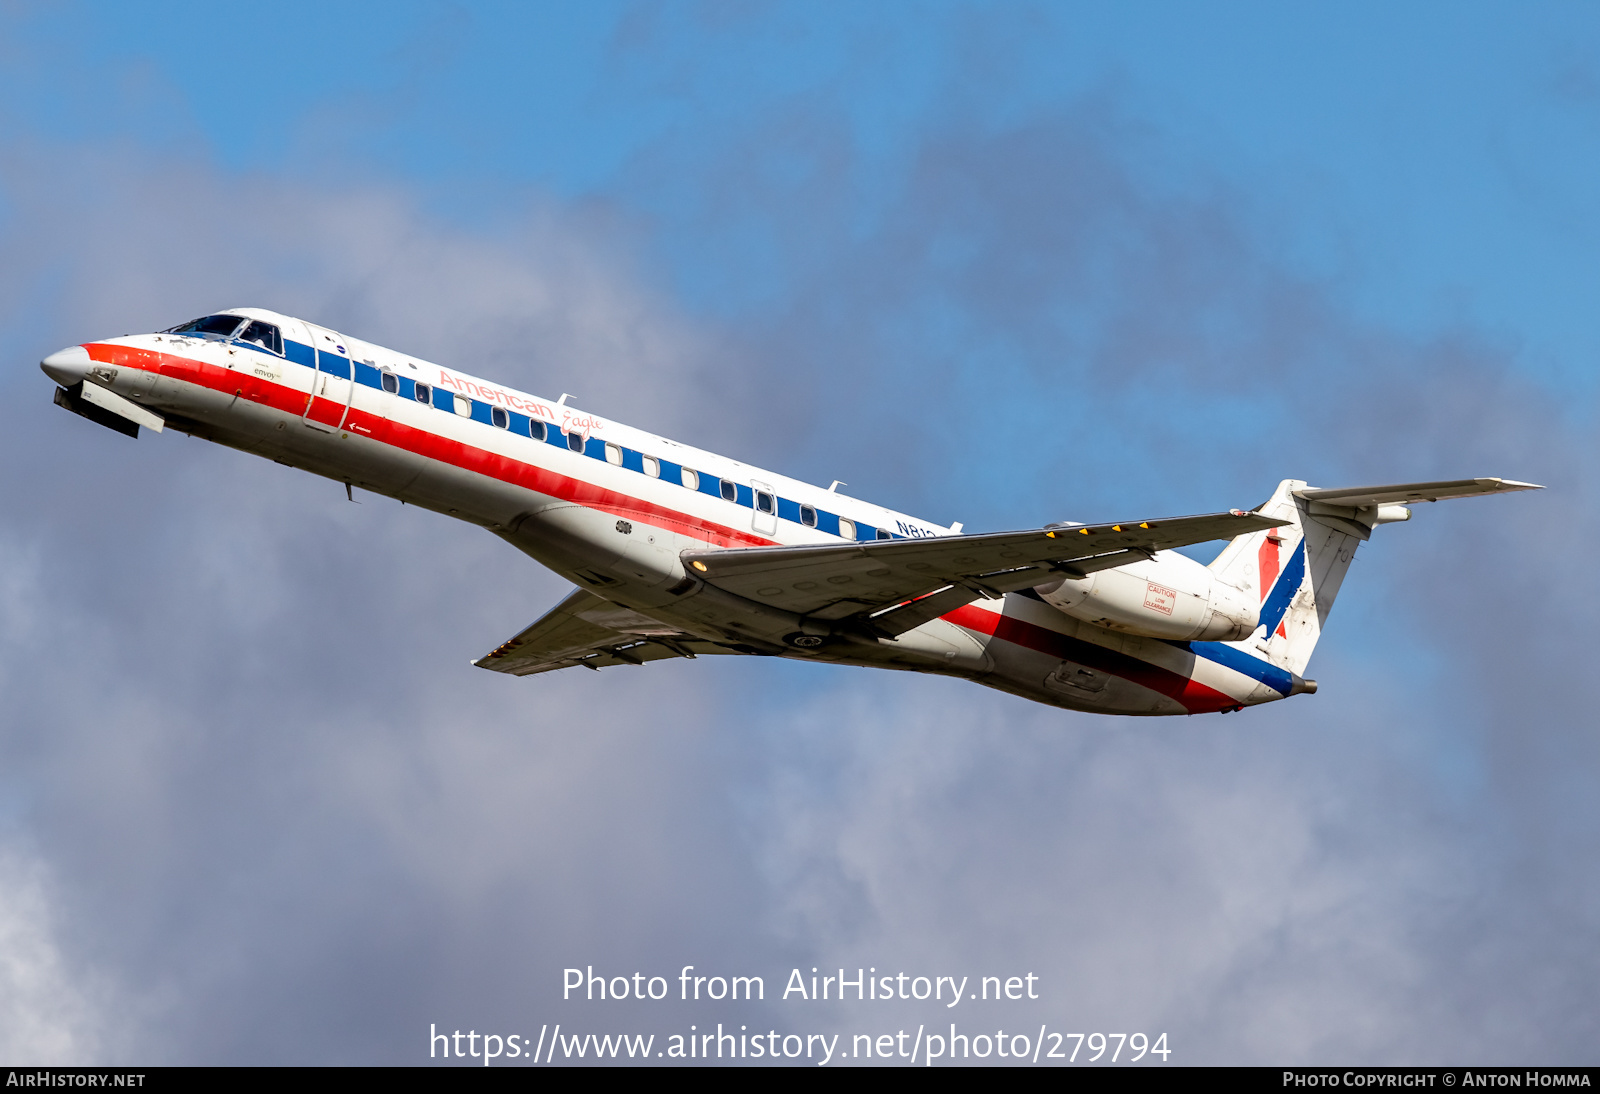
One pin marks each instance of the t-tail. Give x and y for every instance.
(1296, 570)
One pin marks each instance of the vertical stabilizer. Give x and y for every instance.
(1294, 572)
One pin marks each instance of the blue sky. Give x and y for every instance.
(1002, 264)
(1436, 160)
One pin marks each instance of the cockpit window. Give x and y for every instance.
(212, 326)
(264, 335)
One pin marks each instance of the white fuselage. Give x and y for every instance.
(562, 484)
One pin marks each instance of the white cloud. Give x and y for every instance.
(50, 1011)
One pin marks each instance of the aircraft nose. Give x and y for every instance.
(67, 366)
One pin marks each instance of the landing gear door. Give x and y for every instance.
(332, 385)
(764, 506)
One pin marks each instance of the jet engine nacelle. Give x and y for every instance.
(1169, 596)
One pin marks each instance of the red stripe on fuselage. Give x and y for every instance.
(1195, 697)
(421, 442)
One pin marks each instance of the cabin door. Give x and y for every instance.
(333, 384)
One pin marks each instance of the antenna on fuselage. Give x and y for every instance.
(563, 400)
(836, 484)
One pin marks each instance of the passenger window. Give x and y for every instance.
(883, 533)
(613, 455)
(424, 393)
(730, 492)
(536, 430)
(847, 528)
(652, 467)
(765, 503)
(498, 417)
(691, 479)
(575, 442)
(808, 516)
(391, 382)
(264, 335)
(463, 406)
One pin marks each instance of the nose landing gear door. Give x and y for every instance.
(332, 385)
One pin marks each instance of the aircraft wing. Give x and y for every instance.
(586, 630)
(1360, 497)
(898, 584)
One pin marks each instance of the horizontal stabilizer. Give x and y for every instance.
(1362, 497)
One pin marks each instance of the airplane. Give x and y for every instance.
(677, 552)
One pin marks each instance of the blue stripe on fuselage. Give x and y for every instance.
(370, 376)
(1243, 663)
(258, 349)
(333, 364)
